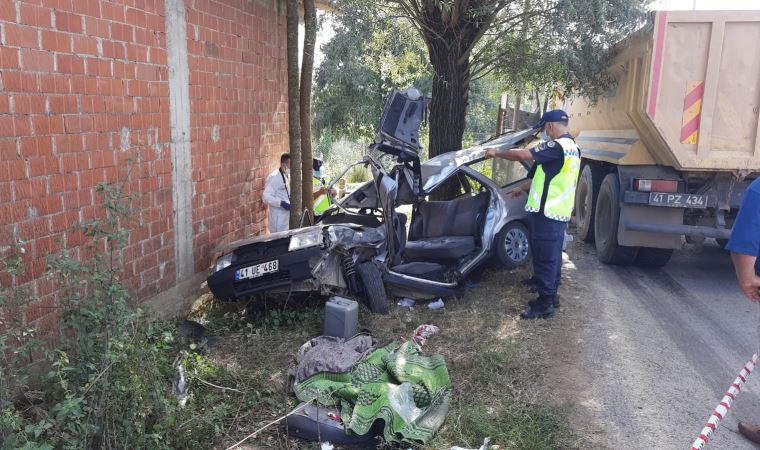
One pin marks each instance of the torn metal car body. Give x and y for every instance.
(362, 246)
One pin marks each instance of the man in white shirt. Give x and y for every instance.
(277, 196)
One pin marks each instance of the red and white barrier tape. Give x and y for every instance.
(725, 404)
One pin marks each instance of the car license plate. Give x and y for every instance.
(678, 200)
(257, 270)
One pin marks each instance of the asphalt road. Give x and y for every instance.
(647, 354)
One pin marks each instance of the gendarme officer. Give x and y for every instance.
(550, 202)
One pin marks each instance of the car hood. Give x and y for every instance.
(226, 248)
(435, 170)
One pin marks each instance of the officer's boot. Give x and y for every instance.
(533, 303)
(543, 308)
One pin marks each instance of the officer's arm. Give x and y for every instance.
(517, 154)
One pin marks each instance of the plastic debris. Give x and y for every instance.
(406, 302)
(423, 333)
(179, 386)
(438, 304)
(482, 447)
(326, 446)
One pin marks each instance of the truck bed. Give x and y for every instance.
(688, 96)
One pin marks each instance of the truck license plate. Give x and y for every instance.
(678, 200)
(257, 270)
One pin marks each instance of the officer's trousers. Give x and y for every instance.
(547, 237)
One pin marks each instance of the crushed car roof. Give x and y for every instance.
(436, 170)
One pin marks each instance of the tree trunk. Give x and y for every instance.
(546, 102)
(516, 116)
(448, 107)
(307, 71)
(294, 124)
(450, 98)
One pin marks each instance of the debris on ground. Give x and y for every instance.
(422, 333)
(326, 446)
(482, 447)
(406, 302)
(394, 386)
(438, 304)
(179, 386)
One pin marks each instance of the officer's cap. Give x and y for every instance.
(555, 115)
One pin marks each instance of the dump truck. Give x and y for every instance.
(668, 152)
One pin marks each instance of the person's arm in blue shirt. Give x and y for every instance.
(745, 243)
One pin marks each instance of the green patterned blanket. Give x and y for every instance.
(396, 384)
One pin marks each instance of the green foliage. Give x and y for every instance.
(105, 381)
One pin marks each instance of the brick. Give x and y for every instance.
(54, 84)
(87, 7)
(7, 10)
(37, 146)
(12, 170)
(12, 212)
(114, 50)
(77, 162)
(98, 27)
(47, 204)
(19, 82)
(5, 104)
(29, 104)
(70, 64)
(43, 166)
(62, 104)
(36, 60)
(54, 41)
(9, 58)
(34, 15)
(137, 17)
(71, 23)
(84, 45)
(22, 126)
(113, 11)
(21, 36)
(30, 188)
(47, 125)
(66, 182)
(137, 53)
(121, 32)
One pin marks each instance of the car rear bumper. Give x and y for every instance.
(293, 266)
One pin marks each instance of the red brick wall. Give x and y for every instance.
(238, 99)
(84, 88)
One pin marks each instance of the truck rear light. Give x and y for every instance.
(655, 185)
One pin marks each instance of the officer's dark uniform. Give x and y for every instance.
(554, 174)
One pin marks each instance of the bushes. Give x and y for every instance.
(105, 379)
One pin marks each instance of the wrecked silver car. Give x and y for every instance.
(463, 216)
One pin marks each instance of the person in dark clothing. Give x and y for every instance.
(550, 202)
(744, 246)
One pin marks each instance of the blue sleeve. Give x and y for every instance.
(547, 152)
(745, 236)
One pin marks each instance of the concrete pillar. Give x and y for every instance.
(179, 119)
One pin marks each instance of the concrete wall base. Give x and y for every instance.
(177, 301)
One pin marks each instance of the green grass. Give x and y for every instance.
(494, 365)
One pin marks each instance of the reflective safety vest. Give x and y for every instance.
(561, 196)
(322, 202)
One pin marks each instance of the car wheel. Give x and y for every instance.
(513, 245)
(373, 287)
(586, 195)
(653, 257)
(606, 222)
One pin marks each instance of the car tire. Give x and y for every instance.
(373, 287)
(653, 257)
(606, 221)
(513, 245)
(586, 195)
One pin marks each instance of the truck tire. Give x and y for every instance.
(606, 222)
(653, 257)
(373, 287)
(513, 245)
(586, 195)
